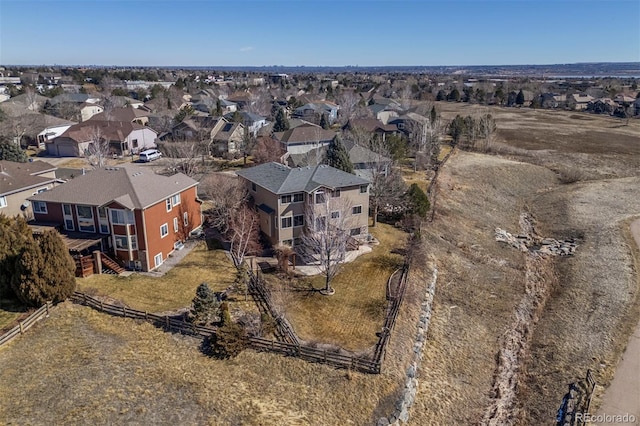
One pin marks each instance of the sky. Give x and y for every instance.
(313, 33)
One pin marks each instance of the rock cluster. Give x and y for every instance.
(401, 413)
(546, 246)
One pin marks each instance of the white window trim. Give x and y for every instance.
(78, 218)
(354, 208)
(44, 204)
(294, 221)
(185, 218)
(3, 202)
(175, 200)
(169, 204)
(163, 226)
(155, 260)
(175, 224)
(294, 195)
(286, 217)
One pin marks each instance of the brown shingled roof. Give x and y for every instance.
(130, 185)
(15, 177)
(110, 130)
(305, 133)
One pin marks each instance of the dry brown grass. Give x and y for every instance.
(351, 317)
(85, 367)
(418, 177)
(174, 290)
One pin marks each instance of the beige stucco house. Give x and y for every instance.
(21, 180)
(282, 196)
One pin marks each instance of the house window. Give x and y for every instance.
(354, 232)
(85, 219)
(286, 222)
(40, 191)
(285, 199)
(175, 200)
(119, 217)
(3, 202)
(134, 242)
(134, 143)
(253, 187)
(68, 217)
(168, 204)
(335, 215)
(298, 198)
(157, 259)
(363, 189)
(298, 221)
(40, 207)
(320, 197)
(356, 210)
(175, 224)
(122, 242)
(335, 194)
(164, 230)
(103, 219)
(185, 218)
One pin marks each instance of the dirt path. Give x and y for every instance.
(623, 395)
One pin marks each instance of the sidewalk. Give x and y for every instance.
(623, 395)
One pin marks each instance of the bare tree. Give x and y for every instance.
(186, 220)
(243, 234)
(387, 185)
(185, 157)
(348, 101)
(98, 152)
(267, 150)
(226, 194)
(324, 241)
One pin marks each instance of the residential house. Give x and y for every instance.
(304, 138)
(282, 195)
(137, 215)
(372, 126)
(228, 137)
(412, 124)
(18, 181)
(127, 114)
(313, 112)
(124, 137)
(580, 101)
(243, 99)
(50, 133)
(252, 122)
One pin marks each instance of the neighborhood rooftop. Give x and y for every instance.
(131, 186)
(15, 177)
(281, 179)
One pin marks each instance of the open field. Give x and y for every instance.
(593, 309)
(352, 316)
(89, 368)
(172, 291)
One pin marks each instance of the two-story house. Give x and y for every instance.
(18, 181)
(140, 216)
(252, 122)
(314, 111)
(304, 138)
(283, 195)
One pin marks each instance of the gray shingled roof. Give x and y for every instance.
(280, 179)
(132, 186)
(16, 177)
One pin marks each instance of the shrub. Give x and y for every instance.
(418, 201)
(228, 341)
(14, 236)
(571, 175)
(205, 305)
(11, 152)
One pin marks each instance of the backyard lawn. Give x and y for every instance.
(10, 310)
(351, 317)
(172, 291)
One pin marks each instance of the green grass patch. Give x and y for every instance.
(172, 291)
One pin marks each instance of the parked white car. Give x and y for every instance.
(149, 155)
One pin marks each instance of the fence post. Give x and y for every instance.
(47, 309)
(84, 298)
(124, 311)
(101, 306)
(21, 330)
(146, 316)
(166, 318)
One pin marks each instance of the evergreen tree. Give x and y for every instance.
(236, 117)
(457, 128)
(338, 157)
(240, 284)
(441, 96)
(204, 307)
(282, 123)
(230, 339)
(218, 111)
(454, 96)
(14, 235)
(324, 123)
(433, 115)
(12, 152)
(520, 98)
(418, 201)
(45, 271)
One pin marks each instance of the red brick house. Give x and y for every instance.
(129, 211)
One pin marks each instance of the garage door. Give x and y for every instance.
(67, 150)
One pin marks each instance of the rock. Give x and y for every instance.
(412, 371)
(383, 421)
